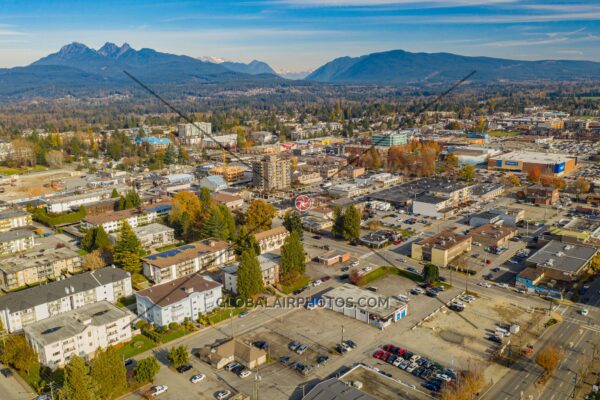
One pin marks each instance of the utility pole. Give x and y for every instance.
(342, 333)
(231, 319)
(257, 379)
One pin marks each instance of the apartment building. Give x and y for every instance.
(45, 261)
(269, 266)
(271, 239)
(12, 242)
(66, 203)
(192, 134)
(112, 222)
(13, 219)
(271, 172)
(79, 332)
(441, 249)
(151, 236)
(19, 309)
(181, 298)
(187, 259)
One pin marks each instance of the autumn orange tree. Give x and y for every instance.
(534, 174)
(549, 357)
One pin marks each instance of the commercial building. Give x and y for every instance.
(402, 195)
(223, 353)
(562, 261)
(151, 236)
(389, 138)
(178, 300)
(79, 332)
(471, 154)
(441, 249)
(433, 206)
(333, 257)
(45, 261)
(271, 172)
(364, 305)
(12, 242)
(509, 216)
(187, 259)
(493, 235)
(232, 202)
(13, 219)
(307, 178)
(346, 190)
(271, 239)
(192, 134)
(25, 307)
(538, 194)
(269, 266)
(526, 161)
(486, 191)
(484, 218)
(214, 183)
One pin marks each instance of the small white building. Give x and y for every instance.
(432, 206)
(80, 332)
(214, 183)
(364, 305)
(182, 298)
(66, 203)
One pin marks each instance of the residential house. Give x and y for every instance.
(271, 239)
(269, 266)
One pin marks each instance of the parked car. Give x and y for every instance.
(294, 345)
(484, 284)
(354, 263)
(244, 373)
(322, 359)
(243, 314)
(197, 378)
(223, 394)
(495, 339)
(184, 368)
(301, 349)
(584, 312)
(350, 343)
(231, 366)
(6, 372)
(260, 344)
(156, 390)
(284, 359)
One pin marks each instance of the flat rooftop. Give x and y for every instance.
(46, 252)
(408, 191)
(566, 257)
(72, 323)
(444, 240)
(374, 303)
(492, 231)
(16, 234)
(533, 157)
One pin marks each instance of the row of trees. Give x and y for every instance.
(124, 254)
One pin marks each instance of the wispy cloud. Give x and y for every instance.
(373, 3)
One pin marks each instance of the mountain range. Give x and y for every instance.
(77, 70)
(402, 67)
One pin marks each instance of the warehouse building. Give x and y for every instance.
(526, 161)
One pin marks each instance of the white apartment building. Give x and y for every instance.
(112, 222)
(19, 309)
(192, 134)
(66, 203)
(13, 219)
(182, 298)
(187, 259)
(271, 239)
(12, 242)
(151, 236)
(79, 332)
(269, 266)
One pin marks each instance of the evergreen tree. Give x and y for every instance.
(87, 242)
(249, 275)
(122, 203)
(246, 241)
(101, 239)
(132, 199)
(228, 221)
(128, 250)
(351, 223)
(114, 194)
(431, 273)
(78, 385)
(109, 373)
(204, 196)
(293, 262)
(293, 223)
(214, 225)
(170, 155)
(146, 370)
(338, 222)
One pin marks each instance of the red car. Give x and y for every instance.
(400, 351)
(385, 356)
(488, 261)
(378, 354)
(397, 241)
(325, 278)
(388, 347)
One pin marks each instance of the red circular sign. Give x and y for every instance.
(302, 203)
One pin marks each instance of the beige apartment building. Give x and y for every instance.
(441, 249)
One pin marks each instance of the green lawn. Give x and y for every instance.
(9, 171)
(503, 133)
(125, 301)
(224, 313)
(137, 345)
(172, 335)
(299, 283)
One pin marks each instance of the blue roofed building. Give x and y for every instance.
(159, 142)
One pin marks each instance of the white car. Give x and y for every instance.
(367, 269)
(156, 390)
(354, 264)
(443, 377)
(397, 361)
(403, 298)
(584, 312)
(317, 282)
(197, 378)
(484, 284)
(223, 394)
(467, 298)
(245, 373)
(501, 285)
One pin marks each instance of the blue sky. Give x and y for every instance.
(299, 35)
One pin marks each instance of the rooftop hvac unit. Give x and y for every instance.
(357, 384)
